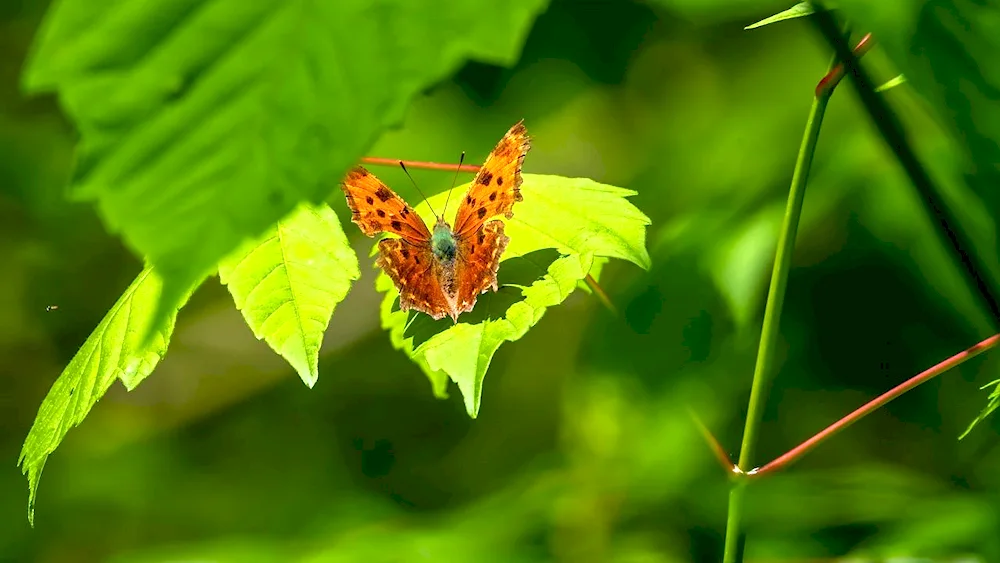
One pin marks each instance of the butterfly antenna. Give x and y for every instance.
(418, 188)
(458, 169)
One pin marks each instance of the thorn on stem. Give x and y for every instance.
(713, 444)
(832, 78)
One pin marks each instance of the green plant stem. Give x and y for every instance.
(772, 314)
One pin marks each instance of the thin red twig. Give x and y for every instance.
(600, 293)
(832, 78)
(805, 447)
(420, 164)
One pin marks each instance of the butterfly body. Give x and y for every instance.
(443, 242)
(442, 271)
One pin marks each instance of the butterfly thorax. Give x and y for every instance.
(443, 242)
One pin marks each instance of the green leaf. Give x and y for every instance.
(947, 50)
(740, 263)
(574, 215)
(463, 351)
(799, 10)
(891, 83)
(557, 236)
(116, 349)
(203, 123)
(288, 282)
(992, 403)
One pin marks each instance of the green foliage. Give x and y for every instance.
(117, 349)
(942, 47)
(992, 404)
(799, 10)
(698, 117)
(739, 265)
(203, 124)
(919, 516)
(557, 236)
(288, 283)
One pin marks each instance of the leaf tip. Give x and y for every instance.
(309, 378)
(799, 10)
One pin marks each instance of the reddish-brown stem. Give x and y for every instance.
(835, 75)
(420, 164)
(805, 447)
(802, 449)
(600, 293)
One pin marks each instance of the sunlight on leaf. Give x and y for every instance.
(202, 124)
(992, 403)
(288, 283)
(739, 264)
(558, 235)
(463, 351)
(797, 11)
(891, 83)
(115, 350)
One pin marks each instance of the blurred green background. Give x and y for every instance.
(583, 450)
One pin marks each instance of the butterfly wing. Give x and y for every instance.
(377, 209)
(477, 264)
(496, 187)
(417, 276)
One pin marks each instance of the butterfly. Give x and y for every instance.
(441, 271)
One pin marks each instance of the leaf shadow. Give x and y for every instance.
(513, 275)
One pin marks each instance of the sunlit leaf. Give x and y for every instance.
(463, 351)
(556, 234)
(204, 123)
(288, 282)
(892, 83)
(799, 10)
(116, 349)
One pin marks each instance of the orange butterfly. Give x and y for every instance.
(443, 272)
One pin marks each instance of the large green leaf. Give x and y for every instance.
(203, 123)
(116, 349)
(288, 282)
(947, 50)
(556, 235)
